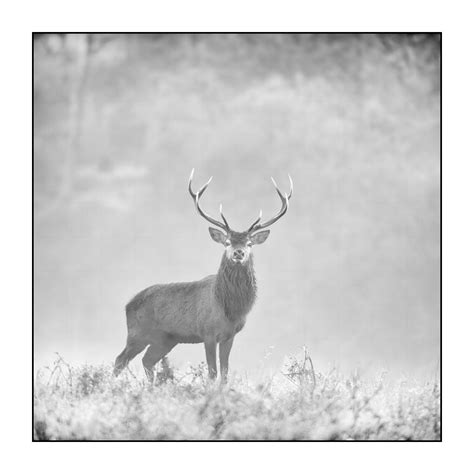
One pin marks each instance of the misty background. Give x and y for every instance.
(352, 271)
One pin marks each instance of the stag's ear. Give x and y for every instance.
(217, 235)
(259, 237)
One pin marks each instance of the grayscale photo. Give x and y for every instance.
(236, 236)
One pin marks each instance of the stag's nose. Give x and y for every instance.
(238, 254)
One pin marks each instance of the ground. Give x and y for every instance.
(297, 403)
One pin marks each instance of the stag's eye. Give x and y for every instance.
(227, 243)
(249, 244)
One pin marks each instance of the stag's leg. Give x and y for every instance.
(211, 358)
(155, 353)
(132, 348)
(224, 351)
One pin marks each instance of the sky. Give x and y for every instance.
(352, 271)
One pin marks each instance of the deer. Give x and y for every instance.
(210, 311)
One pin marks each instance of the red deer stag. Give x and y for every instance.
(212, 310)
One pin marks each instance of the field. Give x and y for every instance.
(298, 403)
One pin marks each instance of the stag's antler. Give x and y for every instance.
(284, 207)
(196, 196)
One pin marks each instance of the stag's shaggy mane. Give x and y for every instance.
(235, 288)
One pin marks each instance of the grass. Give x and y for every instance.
(299, 403)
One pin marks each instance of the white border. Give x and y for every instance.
(458, 173)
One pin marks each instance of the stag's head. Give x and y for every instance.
(238, 245)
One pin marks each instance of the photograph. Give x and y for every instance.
(236, 236)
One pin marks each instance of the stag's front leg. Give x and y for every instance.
(211, 358)
(224, 351)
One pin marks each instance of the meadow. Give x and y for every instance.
(296, 403)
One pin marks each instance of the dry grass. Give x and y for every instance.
(88, 403)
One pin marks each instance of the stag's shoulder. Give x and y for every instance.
(209, 280)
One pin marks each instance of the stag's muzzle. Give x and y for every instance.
(239, 256)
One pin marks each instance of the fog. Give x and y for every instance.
(352, 271)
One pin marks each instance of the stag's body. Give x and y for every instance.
(210, 311)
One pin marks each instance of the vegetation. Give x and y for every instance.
(88, 403)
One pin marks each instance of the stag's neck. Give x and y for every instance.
(236, 288)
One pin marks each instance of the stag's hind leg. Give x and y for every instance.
(155, 352)
(132, 348)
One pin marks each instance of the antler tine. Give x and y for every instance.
(222, 215)
(201, 189)
(284, 207)
(276, 187)
(196, 196)
(291, 186)
(256, 222)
